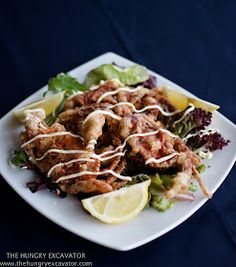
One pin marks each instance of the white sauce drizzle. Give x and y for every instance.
(192, 107)
(84, 159)
(122, 89)
(201, 133)
(93, 155)
(50, 135)
(205, 155)
(162, 159)
(91, 144)
(75, 94)
(104, 112)
(99, 157)
(62, 151)
(129, 137)
(95, 87)
(92, 88)
(68, 163)
(75, 175)
(168, 132)
(137, 135)
(102, 158)
(146, 108)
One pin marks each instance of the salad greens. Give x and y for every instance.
(196, 120)
(161, 203)
(62, 83)
(69, 85)
(65, 82)
(192, 187)
(201, 168)
(129, 76)
(19, 158)
(159, 184)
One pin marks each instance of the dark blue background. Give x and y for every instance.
(190, 42)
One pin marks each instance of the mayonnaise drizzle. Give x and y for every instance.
(68, 163)
(122, 89)
(146, 108)
(94, 87)
(204, 154)
(99, 157)
(162, 159)
(102, 158)
(75, 175)
(192, 107)
(104, 112)
(201, 133)
(93, 155)
(62, 151)
(137, 135)
(75, 94)
(50, 135)
(91, 144)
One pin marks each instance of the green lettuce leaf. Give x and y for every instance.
(161, 203)
(128, 76)
(68, 84)
(156, 184)
(65, 82)
(193, 187)
(201, 168)
(159, 184)
(19, 158)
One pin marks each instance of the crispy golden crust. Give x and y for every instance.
(102, 133)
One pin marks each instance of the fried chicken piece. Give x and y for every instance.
(88, 186)
(50, 156)
(91, 128)
(73, 119)
(91, 97)
(158, 145)
(140, 97)
(104, 127)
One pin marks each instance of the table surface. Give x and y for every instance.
(192, 43)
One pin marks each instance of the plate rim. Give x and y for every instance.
(135, 244)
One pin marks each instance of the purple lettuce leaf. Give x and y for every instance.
(196, 120)
(150, 83)
(210, 142)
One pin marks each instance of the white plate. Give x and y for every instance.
(68, 213)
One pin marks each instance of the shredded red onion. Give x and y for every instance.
(185, 197)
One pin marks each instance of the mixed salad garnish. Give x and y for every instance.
(114, 131)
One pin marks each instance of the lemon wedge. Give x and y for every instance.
(181, 101)
(177, 99)
(118, 206)
(199, 103)
(48, 103)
